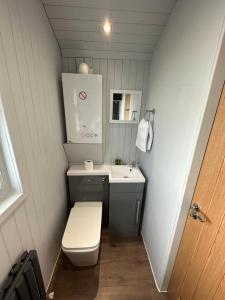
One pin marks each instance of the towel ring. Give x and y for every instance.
(148, 113)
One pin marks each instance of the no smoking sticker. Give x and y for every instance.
(82, 95)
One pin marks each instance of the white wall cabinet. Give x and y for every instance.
(83, 107)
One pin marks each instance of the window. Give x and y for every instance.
(4, 181)
(10, 184)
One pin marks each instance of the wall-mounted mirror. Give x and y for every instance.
(125, 106)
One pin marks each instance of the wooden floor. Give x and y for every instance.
(123, 272)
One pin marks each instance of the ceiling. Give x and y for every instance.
(136, 26)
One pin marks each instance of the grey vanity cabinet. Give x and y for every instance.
(90, 188)
(125, 203)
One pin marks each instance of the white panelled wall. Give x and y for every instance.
(30, 65)
(118, 139)
(181, 76)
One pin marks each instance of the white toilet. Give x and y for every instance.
(81, 239)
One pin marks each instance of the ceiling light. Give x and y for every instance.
(107, 27)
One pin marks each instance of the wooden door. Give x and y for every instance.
(199, 270)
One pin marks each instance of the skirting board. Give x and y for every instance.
(151, 267)
(53, 271)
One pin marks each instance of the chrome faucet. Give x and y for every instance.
(134, 164)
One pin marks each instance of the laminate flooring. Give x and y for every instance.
(123, 272)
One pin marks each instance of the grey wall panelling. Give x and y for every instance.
(118, 139)
(30, 65)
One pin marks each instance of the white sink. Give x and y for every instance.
(125, 174)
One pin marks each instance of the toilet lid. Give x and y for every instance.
(83, 228)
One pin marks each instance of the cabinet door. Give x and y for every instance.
(88, 188)
(124, 213)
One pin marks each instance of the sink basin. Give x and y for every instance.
(125, 174)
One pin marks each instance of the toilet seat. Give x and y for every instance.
(83, 229)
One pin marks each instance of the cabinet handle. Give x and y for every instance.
(138, 211)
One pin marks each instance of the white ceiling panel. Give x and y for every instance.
(158, 6)
(94, 14)
(99, 37)
(136, 26)
(106, 54)
(107, 46)
(77, 25)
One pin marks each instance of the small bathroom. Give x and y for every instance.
(112, 121)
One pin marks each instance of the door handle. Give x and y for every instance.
(138, 211)
(196, 214)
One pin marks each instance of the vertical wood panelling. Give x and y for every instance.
(110, 146)
(88, 61)
(139, 84)
(116, 151)
(5, 260)
(30, 64)
(71, 64)
(23, 229)
(103, 69)
(118, 139)
(95, 65)
(78, 60)
(11, 239)
(126, 128)
(6, 93)
(133, 128)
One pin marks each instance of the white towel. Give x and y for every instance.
(150, 136)
(144, 136)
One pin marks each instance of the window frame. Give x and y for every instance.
(12, 192)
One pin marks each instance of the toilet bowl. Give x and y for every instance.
(81, 239)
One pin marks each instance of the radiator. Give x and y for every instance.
(24, 281)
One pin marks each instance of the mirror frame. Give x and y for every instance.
(132, 92)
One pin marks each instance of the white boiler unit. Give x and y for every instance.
(83, 107)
